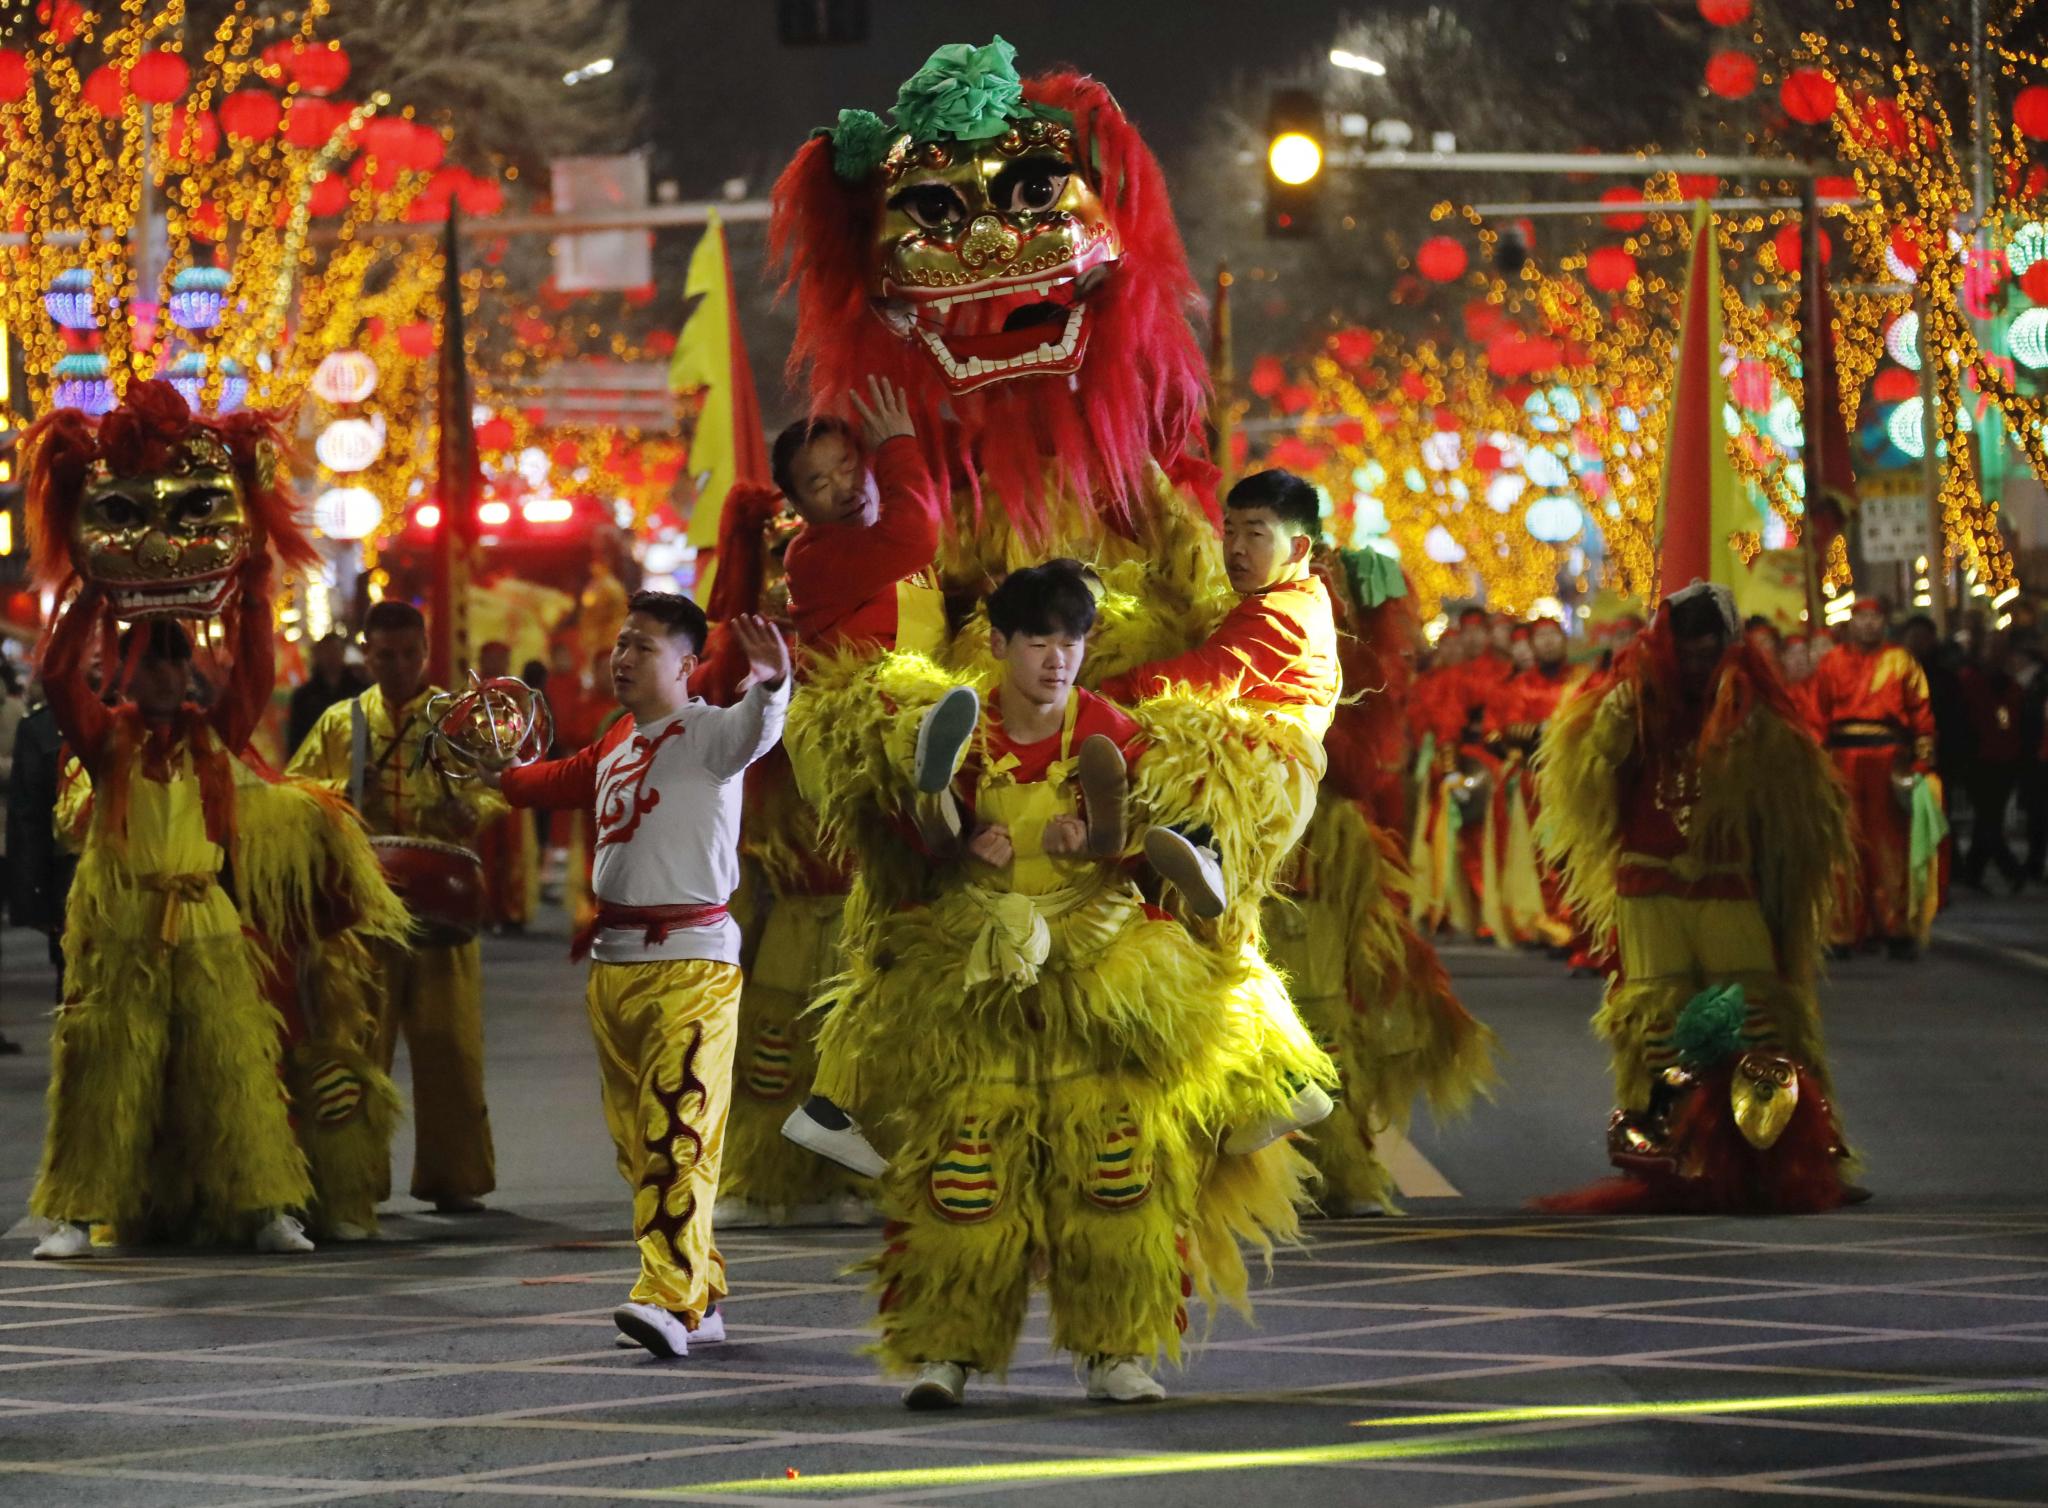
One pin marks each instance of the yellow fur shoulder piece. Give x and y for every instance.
(302, 855)
(1580, 799)
(1774, 794)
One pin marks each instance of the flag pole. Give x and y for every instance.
(1222, 383)
(1813, 359)
(456, 465)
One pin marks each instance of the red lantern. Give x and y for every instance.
(62, 17)
(1441, 259)
(104, 91)
(1731, 74)
(1884, 125)
(1413, 386)
(1837, 188)
(2030, 111)
(329, 196)
(566, 455)
(193, 136)
(1750, 385)
(1507, 353)
(1296, 399)
(158, 77)
(663, 343)
(1481, 320)
(1894, 385)
(1790, 242)
(205, 223)
(2034, 282)
(320, 68)
(495, 433)
(1348, 432)
(417, 339)
(479, 197)
(1808, 95)
(1610, 269)
(250, 115)
(1724, 12)
(1268, 377)
(423, 149)
(533, 331)
(1542, 355)
(14, 76)
(313, 122)
(1624, 194)
(1486, 457)
(1354, 347)
(1698, 185)
(1906, 247)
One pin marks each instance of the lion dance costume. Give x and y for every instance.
(1704, 833)
(1005, 253)
(200, 876)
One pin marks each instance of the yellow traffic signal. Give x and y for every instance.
(1294, 157)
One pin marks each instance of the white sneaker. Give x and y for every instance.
(846, 1146)
(348, 1230)
(731, 1213)
(1195, 872)
(64, 1242)
(1310, 1104)
(938, 1385)
(654, 1328)
(942, 736)
(1121, 1379)
(282, 1236)
(710, 1328)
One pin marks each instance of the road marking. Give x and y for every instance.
(1415, 1176)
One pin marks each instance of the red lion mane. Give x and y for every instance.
(1142, 390)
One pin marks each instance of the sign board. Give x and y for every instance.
(608, 260)
(1892, 518)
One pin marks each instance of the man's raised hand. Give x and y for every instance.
(889, 417)
(767, 654)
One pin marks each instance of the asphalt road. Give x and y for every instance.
(1465, 1353)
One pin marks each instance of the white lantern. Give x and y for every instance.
(345, 377)
(1553, 520)
(1438, 545)
(347, 512)
(350, 445)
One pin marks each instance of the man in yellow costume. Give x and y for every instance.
(1695, 817)
(664, 995)
(369, 749)
(168, 1114)
(1054, 1060)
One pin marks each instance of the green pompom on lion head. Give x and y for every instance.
(860, 140)
(1709, 1029)
(962, 93)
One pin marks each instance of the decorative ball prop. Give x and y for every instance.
(1441, 259)
(493, 725)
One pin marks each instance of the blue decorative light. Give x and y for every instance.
(198, 294)
(84, 384)
(68, 301)
(188, 376)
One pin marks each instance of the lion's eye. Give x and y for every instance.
(933, 206)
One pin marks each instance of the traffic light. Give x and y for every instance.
(1294, 162)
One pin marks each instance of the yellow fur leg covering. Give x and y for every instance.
(165, 1105)
(346, 1110)
(1374, 994)
(776, 1059)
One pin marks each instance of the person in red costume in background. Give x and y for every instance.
(1870, 708)
(1526, 898)
(860, 569)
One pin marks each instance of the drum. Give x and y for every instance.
(441, 884)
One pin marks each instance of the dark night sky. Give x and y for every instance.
(726, 100)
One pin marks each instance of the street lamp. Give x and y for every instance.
(1357, 62)
(595, 68)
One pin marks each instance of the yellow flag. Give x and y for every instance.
(728, 446)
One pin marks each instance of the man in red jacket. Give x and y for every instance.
(1870, 707)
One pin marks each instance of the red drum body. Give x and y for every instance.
(442, 885)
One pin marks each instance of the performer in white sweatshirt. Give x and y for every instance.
(665, 785)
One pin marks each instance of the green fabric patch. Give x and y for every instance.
(963, 93)
(1709, 1029)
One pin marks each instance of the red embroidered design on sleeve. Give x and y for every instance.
(622, 794)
